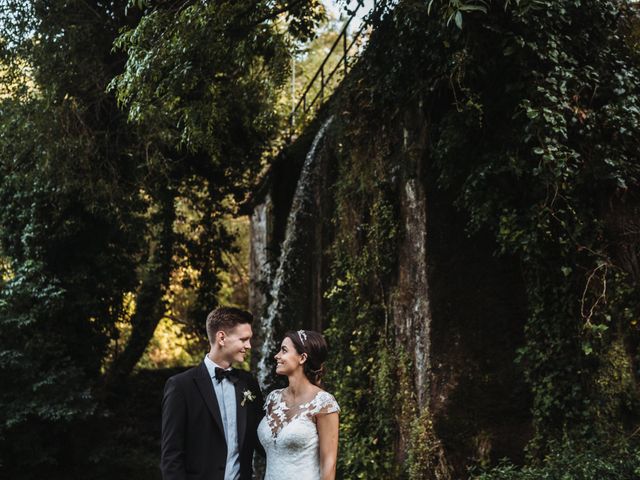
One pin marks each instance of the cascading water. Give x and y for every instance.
(260, 232)
(297, 231)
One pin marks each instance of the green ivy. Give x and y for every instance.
(574, 462)
(359, 332)
(534, 124)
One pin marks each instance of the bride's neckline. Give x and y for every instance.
(297, 405)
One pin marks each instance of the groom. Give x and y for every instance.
(211, 412)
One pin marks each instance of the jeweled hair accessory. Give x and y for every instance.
(303, 336)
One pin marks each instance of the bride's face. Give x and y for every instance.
(288, 359)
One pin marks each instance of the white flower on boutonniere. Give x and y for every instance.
(247, 395)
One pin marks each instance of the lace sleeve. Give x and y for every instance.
(325, 403)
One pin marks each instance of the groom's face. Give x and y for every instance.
(237, 342)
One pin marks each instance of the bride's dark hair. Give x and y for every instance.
(315, 347)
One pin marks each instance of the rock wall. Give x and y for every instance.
(456, 309)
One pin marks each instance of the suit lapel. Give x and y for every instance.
(241, 411)
(203, 381)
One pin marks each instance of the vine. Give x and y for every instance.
(534, 110)
(359, 334)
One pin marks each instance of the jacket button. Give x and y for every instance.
(221, 467)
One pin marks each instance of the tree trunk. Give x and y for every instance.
(150, 305)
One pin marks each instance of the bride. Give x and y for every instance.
(299, 432)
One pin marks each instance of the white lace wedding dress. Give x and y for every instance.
(290, 438)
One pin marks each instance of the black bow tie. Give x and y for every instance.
(231, 375)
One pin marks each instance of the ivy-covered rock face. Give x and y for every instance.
(522, 128)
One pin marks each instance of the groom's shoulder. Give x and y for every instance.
(247, 376)
(184, 376)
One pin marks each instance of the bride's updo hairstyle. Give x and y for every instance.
(314, 346)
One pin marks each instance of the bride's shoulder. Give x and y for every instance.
(277, 393)
(273, 396)
(324, 402)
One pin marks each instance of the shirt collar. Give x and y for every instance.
(211, 366)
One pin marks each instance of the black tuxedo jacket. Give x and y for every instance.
(193, 443)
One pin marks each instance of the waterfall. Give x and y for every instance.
(302, 210)
(260, 234)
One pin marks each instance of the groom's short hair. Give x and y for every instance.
(225, 319)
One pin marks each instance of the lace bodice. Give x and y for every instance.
(290, 438)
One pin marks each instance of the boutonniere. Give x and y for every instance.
(247, 395)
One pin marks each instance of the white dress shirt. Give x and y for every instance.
(226, 395)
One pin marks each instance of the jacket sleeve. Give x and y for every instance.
(174, 418)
